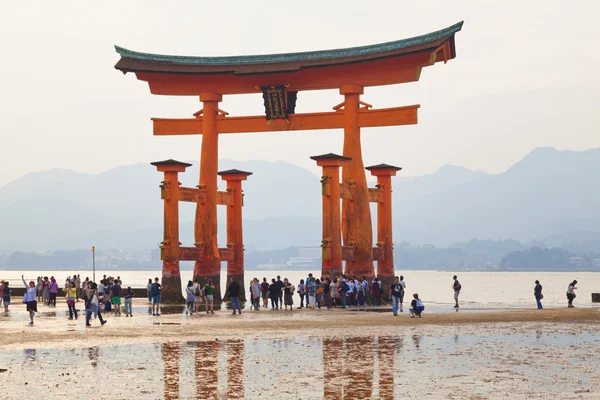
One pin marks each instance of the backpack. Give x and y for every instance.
(197, 292)
(319, 290)
(154, 290)
(419, 306)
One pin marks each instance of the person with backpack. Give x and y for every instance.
(197, 288)
(395, 293)
(264, 292)
(92, 306)
(416, 306)
(155, 292)
(208, 296)
(456, 286)
(537, 292)
(71, 294)
(189, 298)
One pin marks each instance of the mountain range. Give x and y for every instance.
(549, 194)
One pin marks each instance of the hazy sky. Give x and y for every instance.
(525, 76)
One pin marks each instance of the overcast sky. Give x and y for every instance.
(525, 76)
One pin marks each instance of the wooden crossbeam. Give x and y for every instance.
(375, 195)
(195, 253)
(195, 195)
(296, 122)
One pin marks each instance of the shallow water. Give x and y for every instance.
(531, 360)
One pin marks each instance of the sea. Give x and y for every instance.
(479, 289)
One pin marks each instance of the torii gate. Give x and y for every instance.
(281, 77)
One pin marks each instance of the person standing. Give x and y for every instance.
(395, 293)
(280, 290)
(537, 292)
(6, 295)
(29, 298)
(189, 298)
(53, 292)
(234, 295)
(361, 293)
(312, 294)
(327, 293)
(39, 287)
(128, 299)
(116, 296)
(155, 291)
(77, 286)
(197, 295)
(288, 291)
(46, 290)
(264, 291)
(456, 286)
(274, 295)
(208, 296)
(335, 293)
(402, 291)
(571, 293)
(376, 290)
(71, 294)
(148, 292)
(302, 293)
(256, 294)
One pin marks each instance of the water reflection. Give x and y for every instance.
(30, 355)
(93, 355)
(352, 367)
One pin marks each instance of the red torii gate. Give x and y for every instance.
(349, 70)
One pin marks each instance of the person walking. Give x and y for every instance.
(571, 293)
(208, 296)
(288, 291)
(128, 295)
(189, 298)
(302, 293)
(29, 298)
(93, 306)
(234, 295)
(71, 295)
(6, 295)
(395, 293)
(456, 286)
(537, 292)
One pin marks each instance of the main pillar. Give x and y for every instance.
(235, 237)
(332, 237)
(208, 265)
(385, 267)
(356, 216)
(171, 278)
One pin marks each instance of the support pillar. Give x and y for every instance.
(332, 236)
(208, 266)
(235, 237)
(356, 216)
(385, 267)
(171, 278)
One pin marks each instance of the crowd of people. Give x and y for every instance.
(314, 293)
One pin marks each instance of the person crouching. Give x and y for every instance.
(416, 306)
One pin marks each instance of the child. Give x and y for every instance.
(416, 306)
(128, 296)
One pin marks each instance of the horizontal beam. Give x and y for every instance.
(195, 254)
(194, 195)
(375, 195)
(367, 118)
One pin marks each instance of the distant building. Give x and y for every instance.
(577, 261)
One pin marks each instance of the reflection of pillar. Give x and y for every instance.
(332, 238)
(356, 215)
(235, 369)
(235, 237)
(333, 362)
(358, 382)
(386, 346)
(207, 371)
(170, 356)
(171, 278)
(385, 267)
(205, 227)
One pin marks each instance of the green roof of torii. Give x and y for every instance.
(294, 57)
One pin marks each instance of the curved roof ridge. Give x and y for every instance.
(292, 57)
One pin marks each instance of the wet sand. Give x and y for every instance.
(338, 354)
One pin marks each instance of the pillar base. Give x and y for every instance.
(171, 291)
(239, 278)
(386, 284)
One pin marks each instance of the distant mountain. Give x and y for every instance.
(547, 194)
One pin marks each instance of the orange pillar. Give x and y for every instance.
(235, 237)
(208, 266)
(332, 237)
(385, 267)
(356, 215)
(171, 278)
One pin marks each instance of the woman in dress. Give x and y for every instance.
(29, 298)
(46, 290)
(288, 291)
